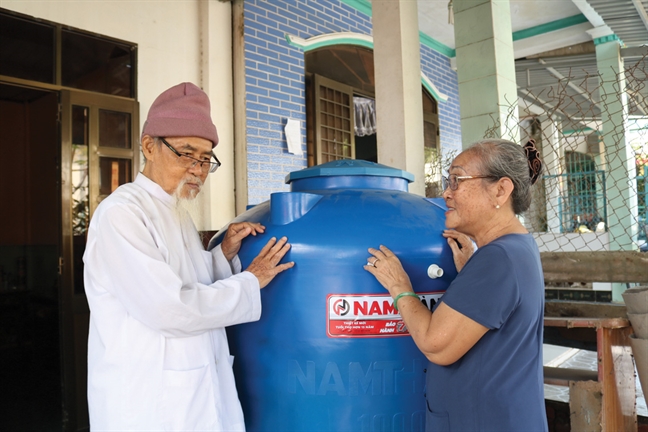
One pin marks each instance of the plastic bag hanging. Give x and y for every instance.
(365, 116)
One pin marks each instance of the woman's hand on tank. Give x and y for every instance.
(236, 232)
(462, 247)
(388, 270)
(266, 265)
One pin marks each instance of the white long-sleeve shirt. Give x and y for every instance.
(158, 357)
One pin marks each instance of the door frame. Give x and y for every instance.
(319, 82)
(74, 311)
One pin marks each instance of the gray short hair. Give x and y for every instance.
(501, 158)
(156, 141)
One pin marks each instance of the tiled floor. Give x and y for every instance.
(579, 359)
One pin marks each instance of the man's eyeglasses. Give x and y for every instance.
(207, 166)
(453, 180)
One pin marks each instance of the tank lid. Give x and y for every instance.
(349, 167)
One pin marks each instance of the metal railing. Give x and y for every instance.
(581, 201)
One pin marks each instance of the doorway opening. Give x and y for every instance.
(69, 120)
(30, 246)
(340, 107)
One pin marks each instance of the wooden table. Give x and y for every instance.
(609, 403)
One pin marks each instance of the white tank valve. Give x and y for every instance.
(434, 271)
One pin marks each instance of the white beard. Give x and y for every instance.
(186, 205)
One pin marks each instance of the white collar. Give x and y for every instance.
(154, 189)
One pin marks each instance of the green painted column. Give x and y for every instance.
(621, 193)
(485, 69)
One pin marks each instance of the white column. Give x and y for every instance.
(551, 156)
(216, 80)
(485, 69)
(399, 106)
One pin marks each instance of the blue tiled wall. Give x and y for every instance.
(275, 83)
(437, 68)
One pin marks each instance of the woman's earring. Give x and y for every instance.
(497, 206)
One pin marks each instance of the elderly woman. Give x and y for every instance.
(484, 337)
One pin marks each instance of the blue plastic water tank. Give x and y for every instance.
(329, 352)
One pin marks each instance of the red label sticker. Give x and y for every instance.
(368, 315)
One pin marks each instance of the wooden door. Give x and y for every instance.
(334, 121)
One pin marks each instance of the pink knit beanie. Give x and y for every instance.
(181, 111)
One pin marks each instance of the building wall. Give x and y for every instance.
(438, 70)
(170, 51)
(275, 83)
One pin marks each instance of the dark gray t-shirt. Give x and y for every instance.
(498, 384)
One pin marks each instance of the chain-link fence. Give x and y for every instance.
(593, 193)
(593, 138)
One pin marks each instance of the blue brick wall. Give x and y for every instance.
(438, 70)
(275, 83)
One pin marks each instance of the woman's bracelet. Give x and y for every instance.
(403, 294)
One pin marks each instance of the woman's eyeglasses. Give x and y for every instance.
(453, 180)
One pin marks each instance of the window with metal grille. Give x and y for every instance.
(333, 120)
(583, 207)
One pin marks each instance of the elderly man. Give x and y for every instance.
(157, 352)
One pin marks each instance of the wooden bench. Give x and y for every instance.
(606, 399)
(562, 376)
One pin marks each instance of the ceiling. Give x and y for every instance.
(628, 19)
(555, 55)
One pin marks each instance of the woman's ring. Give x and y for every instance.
(369, 263)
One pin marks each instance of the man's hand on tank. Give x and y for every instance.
(266, 265)
(236, 232)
